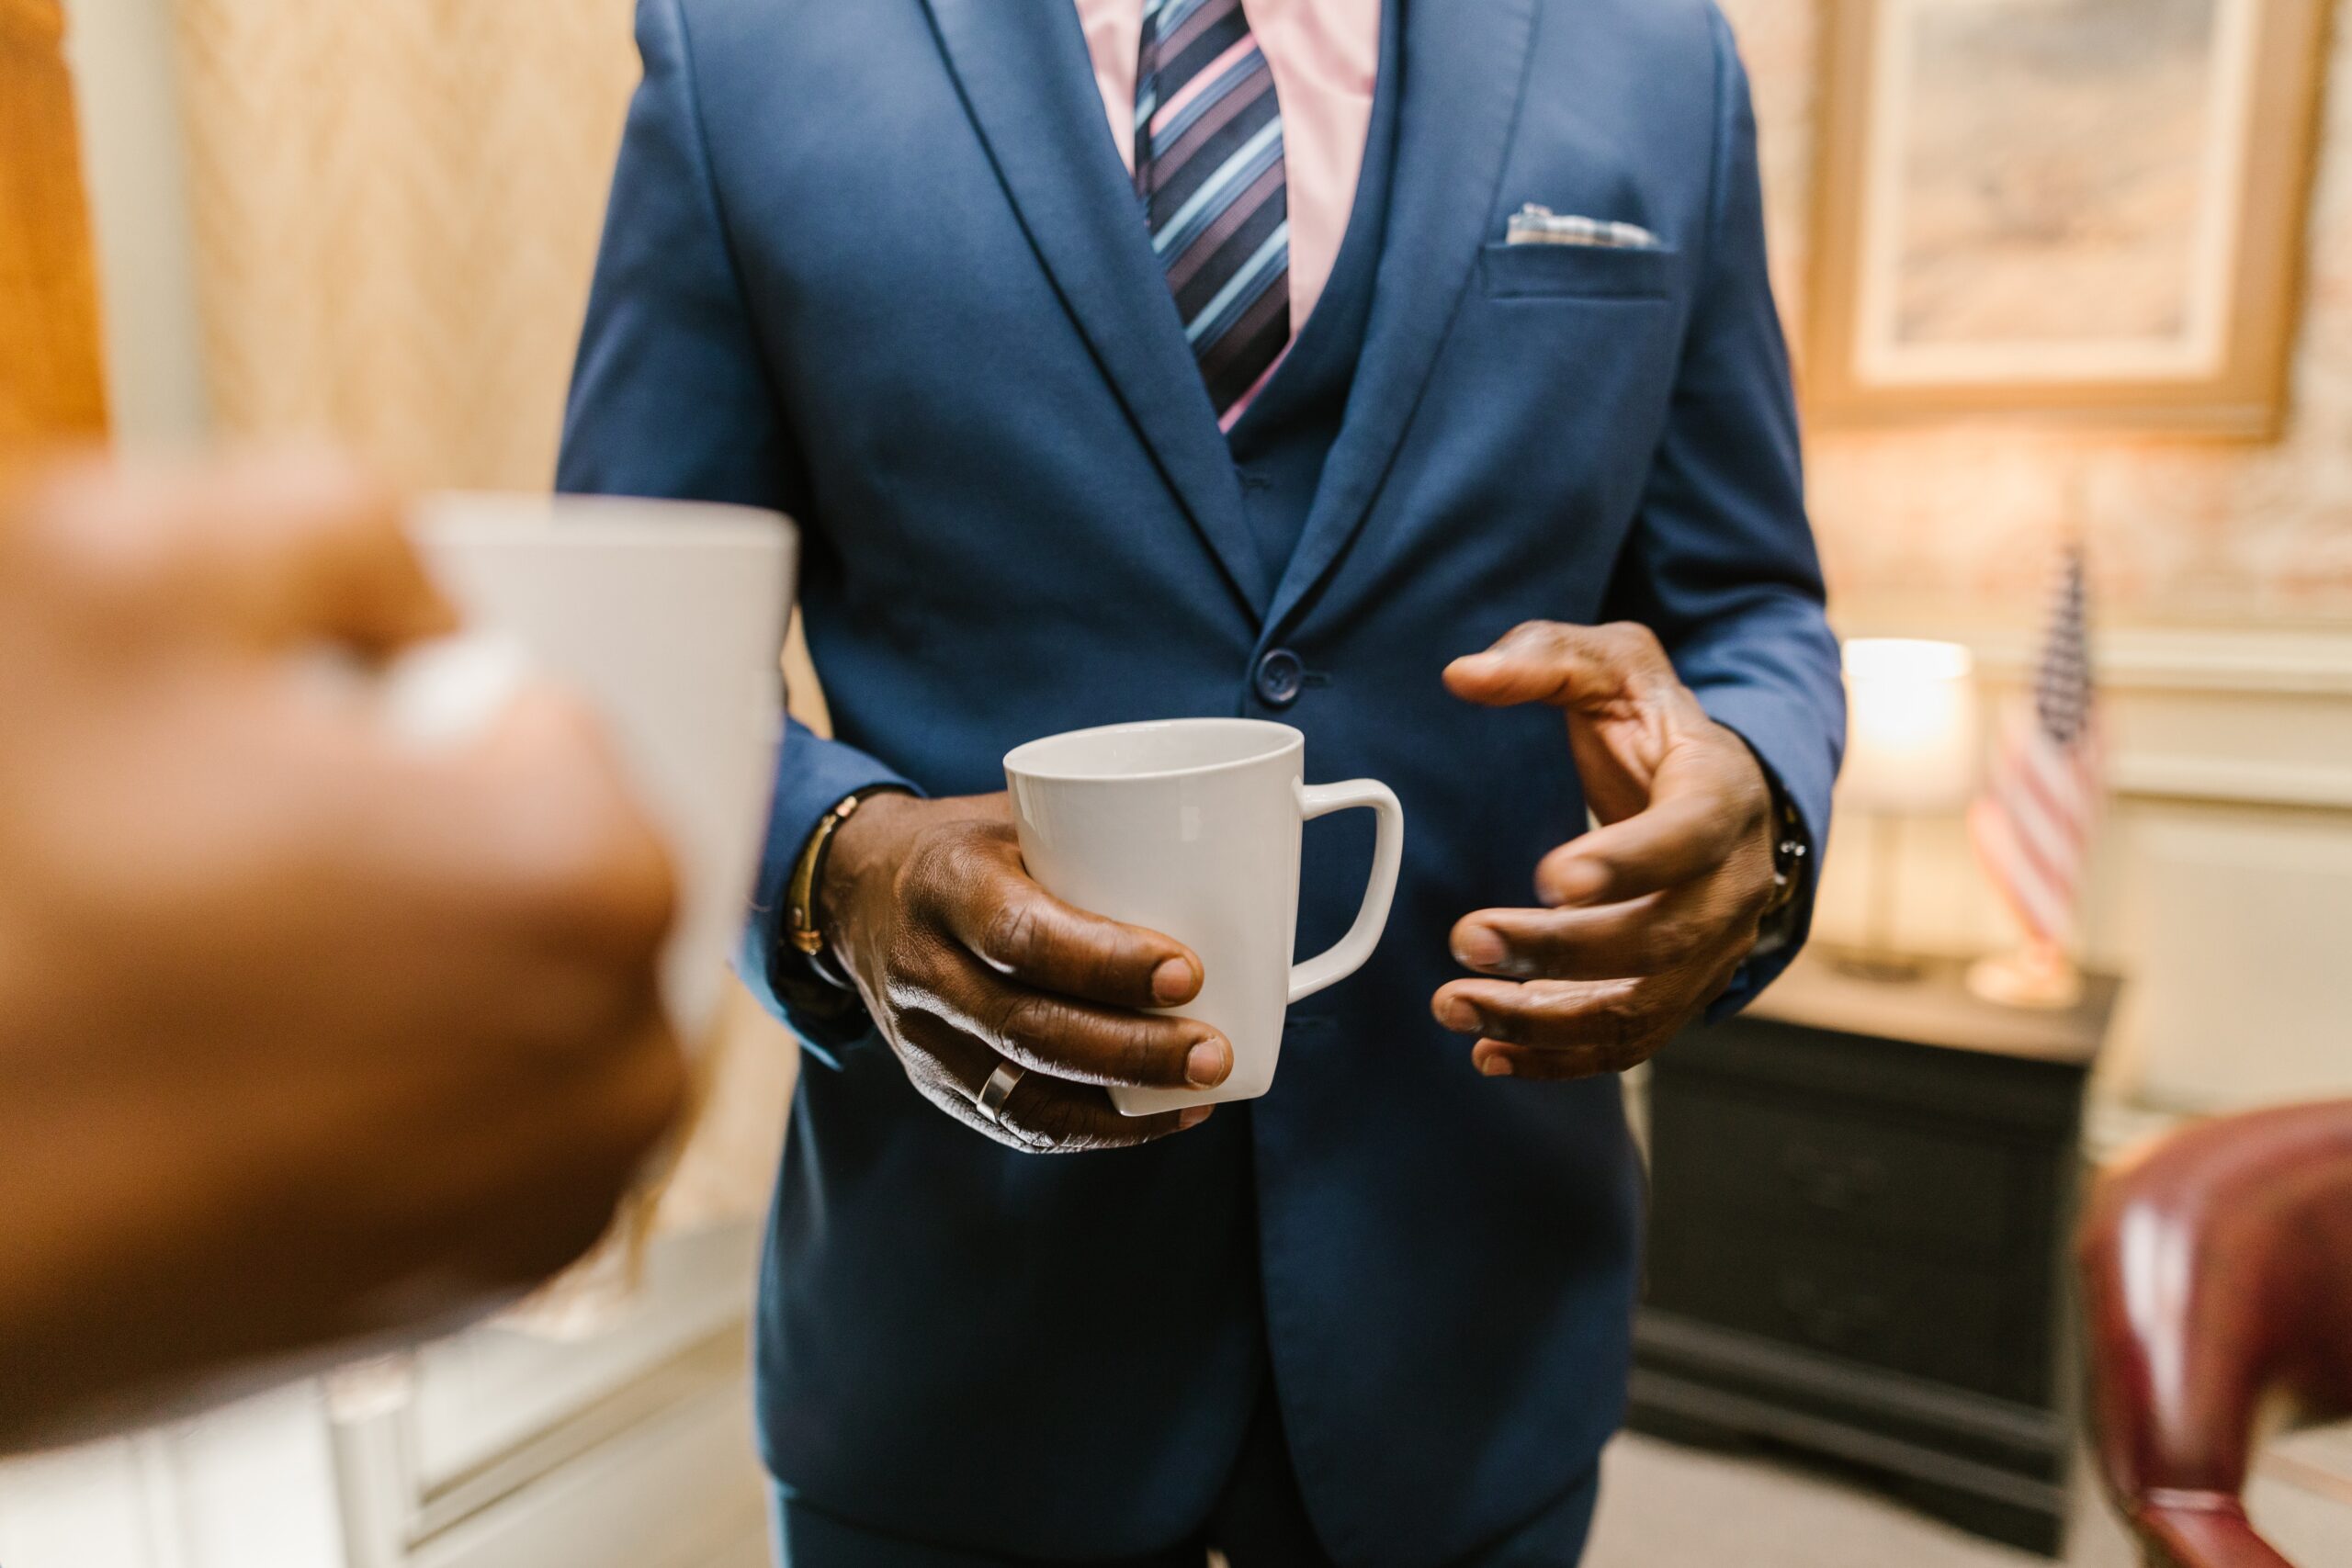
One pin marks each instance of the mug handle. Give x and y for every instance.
(1387, 859)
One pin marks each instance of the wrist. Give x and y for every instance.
(1784, 845)
(865, 845)
(808, 925)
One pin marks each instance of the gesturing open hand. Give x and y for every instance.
(1647, 917)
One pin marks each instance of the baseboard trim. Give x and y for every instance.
(1704, 1349)
(1873, 1450)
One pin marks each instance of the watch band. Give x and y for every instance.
(1792, 849)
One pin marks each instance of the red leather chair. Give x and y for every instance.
(2217, 1278)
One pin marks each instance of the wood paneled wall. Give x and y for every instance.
(51, 384)
(397, 205)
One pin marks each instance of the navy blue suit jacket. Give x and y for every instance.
(877, 264)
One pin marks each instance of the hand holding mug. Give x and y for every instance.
(968, 965)
(1646, 918)
(1196, 827)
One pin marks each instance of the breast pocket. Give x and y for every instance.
(1579, 272)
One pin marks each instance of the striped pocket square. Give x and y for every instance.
(1537, 225)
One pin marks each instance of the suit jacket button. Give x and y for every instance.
(1281, 676)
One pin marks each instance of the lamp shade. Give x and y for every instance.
(1912, 726)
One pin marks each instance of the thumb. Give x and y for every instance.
(1567, 666)
(268, 551)
(304, 547)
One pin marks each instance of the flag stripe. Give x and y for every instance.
(2039, 903)
(2055, 812)
(2032, 824)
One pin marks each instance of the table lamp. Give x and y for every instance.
(1911, 751)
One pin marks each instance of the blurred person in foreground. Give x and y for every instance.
(309, 1042)
(1339, 362)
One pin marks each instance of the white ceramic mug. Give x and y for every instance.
(668, 618)
(1192, 827)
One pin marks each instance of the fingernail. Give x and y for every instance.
(1206, 1063)
(1187, 1120)
(1172, 982)
(1479, 948)
(1458, 1015)
(1494, 1065)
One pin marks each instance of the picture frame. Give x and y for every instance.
(2089, 212)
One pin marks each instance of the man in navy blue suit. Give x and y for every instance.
(1143, 359)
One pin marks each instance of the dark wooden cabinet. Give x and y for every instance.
(1860, 1193)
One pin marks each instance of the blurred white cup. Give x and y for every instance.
(668, 618)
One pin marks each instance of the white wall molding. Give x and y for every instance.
(2311, 663)
(2228, 716)
(248, 1487)
(664, 1462)
(2315, 660)
(631, 1450)
(2232, 781)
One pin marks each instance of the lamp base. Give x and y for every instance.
(2037, 977)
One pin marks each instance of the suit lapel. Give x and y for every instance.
(1462, 76)
(1029, 87)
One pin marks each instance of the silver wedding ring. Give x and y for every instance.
(998, 1090)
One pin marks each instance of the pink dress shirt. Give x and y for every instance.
(1325, 55)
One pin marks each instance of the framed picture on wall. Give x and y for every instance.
(2080, 210)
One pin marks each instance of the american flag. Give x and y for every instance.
(2033, 825)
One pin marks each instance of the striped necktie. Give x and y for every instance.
(1209, 169)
